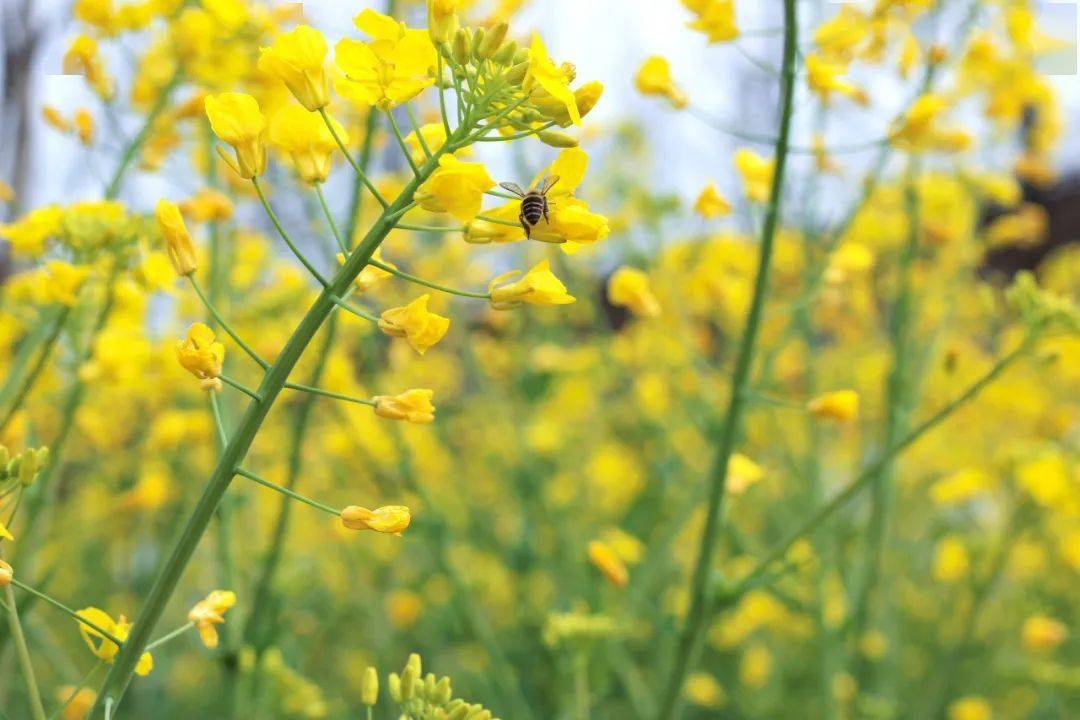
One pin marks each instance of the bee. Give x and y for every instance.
(534, 203)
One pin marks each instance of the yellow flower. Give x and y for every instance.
(456, 187)
(629, 287)
(538, 287)
(654, 78)
(79, 704)
(390, 519)
(434, 137)
(703, 690)
(237, 120)
(757, 174)
(1041, 633)
(715, 18)
(608, 563)
(369, 686)
(199, 354)
(177, 240)
(555, 81)
(304, 137)
(959, 487)
(823, 77)
(442, 20)
(84, 126)
(5, 533)
(412, 406)
(711, 204)
(970, 707)
(951, 561)
(55, 119)
(104, 648)
(207, 205)
(297, 58)
(82, 58)
(742, 473)
(1027, 227)
(370, 276)
(415, 323)
(209, 612)
(6, 571)
(29, 234)
(840, 405)
(63, 281)
(393, 68)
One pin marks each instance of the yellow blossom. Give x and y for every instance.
(539, 286)
(304, 137)
(412, 406)
(296, 58)
(824, 79)
(63, 281)
(390, 519)
(629, 287)
(555, 81)
(415, 323)
(456, 187)
(608, 563)
(970, 707)
(29, 234)
(104, 648)
(5, 533)
(1041, 633)
(703, 690)
(711, 204)
(79, 701)
(207, 205)
(199, 354)
(82, 58)
(654, 78)
(210, 612)
(442, 20)
(6, 572)
(433, 136)
(237, 120)
(55, 119)
(840, 405)
(715, 18)
(393, 68)
(177, 240)
(756, 173)
(84, 126)
(951, 561)
(742, 473)
(959, 487)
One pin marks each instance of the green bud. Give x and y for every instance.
(491, 41)
(517, 73)
(414, 663)
(458, 713)
(442, 692)
(505, 54)
(477, 40)
(429, 687)
(462, 41)
(522, 55)
(369, 686)
(408, 683)
(393, 683)
(479, 713)
(554, 138)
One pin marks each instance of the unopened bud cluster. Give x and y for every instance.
(424, 696)
(21, 470)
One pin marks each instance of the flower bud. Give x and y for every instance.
(442, 20)
(840, 406)
(462, 43)
(6, 574)
(408, 683)
(517, 73)
(557, 139)
(442, 692)
(178, 243)
(369, 686)
(475, 42)
(505, 54)
(428, 690)
(492, 41)
(394, 686)
(458, 713)
(390, 519)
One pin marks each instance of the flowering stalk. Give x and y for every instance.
(272, 383)
(37, 710)
(700, 587)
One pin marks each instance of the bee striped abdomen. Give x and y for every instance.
(533, 207)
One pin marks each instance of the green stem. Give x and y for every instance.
(270, 387)
(284, 235)
(416, 129)
(22, 385)
(330, 220)
(132, 149)
(215, 409)
(349, 307)
(246, 390)
(286, 491)
(224, 325)
(581, 685)
(497, 221)
(517, 136)
(356, 167)
(427, 283)
(329, 394)
(809, 525)
(442, 94)
(170, 636)
(69, 612)
(428, 228)
(33, 695)
(401, 142)
(700, 587)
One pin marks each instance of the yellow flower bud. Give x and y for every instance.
(841, 406)
(608, 563)
(238, 121)
(369, 686)
(629, 288)
(305, 138)
(177, 240)
(492, 41)
(711, 204)
(6, 573)
(389, 519)
(654, 78)
(412, 405)
(442, 20)
(557, 139)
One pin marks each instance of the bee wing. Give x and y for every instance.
(513, 187)
(548, 183)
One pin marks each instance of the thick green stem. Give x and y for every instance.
(33, 696)
(700, 585)
(272, 383)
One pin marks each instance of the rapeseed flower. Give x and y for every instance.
(414, 322)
